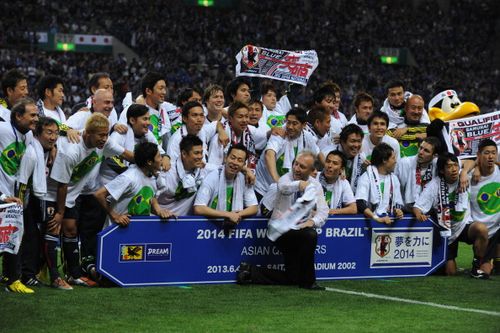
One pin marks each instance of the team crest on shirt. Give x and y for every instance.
(383, 245)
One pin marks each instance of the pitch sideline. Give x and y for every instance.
(404, 300)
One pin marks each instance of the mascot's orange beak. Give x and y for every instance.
(465, 109)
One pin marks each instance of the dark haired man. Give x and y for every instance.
(377, 125)
(224, 194)
(454, 214)
(133, 192)
(338, 193)
(378, 195)
(280, 153)
(14, 87)
(183, 180)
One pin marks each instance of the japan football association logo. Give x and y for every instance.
(250, 56)
(382, 245)
(131, 252)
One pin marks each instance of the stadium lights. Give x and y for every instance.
(389, 60)
(206, 3)
(65, 47)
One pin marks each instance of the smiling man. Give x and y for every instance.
(377, 125)
(224, 194)
(75, 166)
(453, 213)
(14, 87)
(183, 180)
(15, 135)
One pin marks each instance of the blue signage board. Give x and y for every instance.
(194, 250)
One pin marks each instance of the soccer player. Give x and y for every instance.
(300, 207)
(350, 139)
(213, 100)
(14, 87)
(133, 192)
(363, 109)
(224, 194)
(32, 191)
(328, 96)
(319, 121)
(415, 172)
(75, 166)
(280, 153)
(453, 213)
(274, 112)
(15, 134)
(183, 180)
(485, 201)
(377, 125)
(395, 102)
(378, 195)
(238, 90)
(193, 121)
(138, 122)
(238, 131)
(338, 193)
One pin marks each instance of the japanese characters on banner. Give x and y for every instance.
(11, 228)
(290, 66)
(466, 133)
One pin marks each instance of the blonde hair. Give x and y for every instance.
(95, 122)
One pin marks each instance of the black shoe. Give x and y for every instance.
(314, 286)
(479, 274)
(244, 267)
(32, 282)
(243, 277)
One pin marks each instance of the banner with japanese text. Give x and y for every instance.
(290, 66)
(195, 250)
(466, 133)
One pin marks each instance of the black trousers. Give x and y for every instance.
(31, 246)
(298, 247)
(91, 218)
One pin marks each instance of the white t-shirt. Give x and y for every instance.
(29, 167)
(460, 216)
(217, 152)
(4, 113)
(12, 146)
(338, 194)
(279, 145)
(174, 196)
(365, 129)
(367, 146)
(160, 121)
(78, 120)
(485, 201)
(366, 188)
(411, 186)
(119, 143)
(336, 125)
(209, 191)
(131, 192)
(75, 165)
(274, 118)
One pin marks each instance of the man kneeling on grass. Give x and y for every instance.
(133, 192)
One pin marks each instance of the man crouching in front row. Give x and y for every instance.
(299, 208)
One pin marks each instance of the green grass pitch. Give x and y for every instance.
(233, 308)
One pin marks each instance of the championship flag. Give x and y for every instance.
(11, 227)
(467, 133)
(290, 66)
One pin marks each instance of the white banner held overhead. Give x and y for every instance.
(290, 66)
